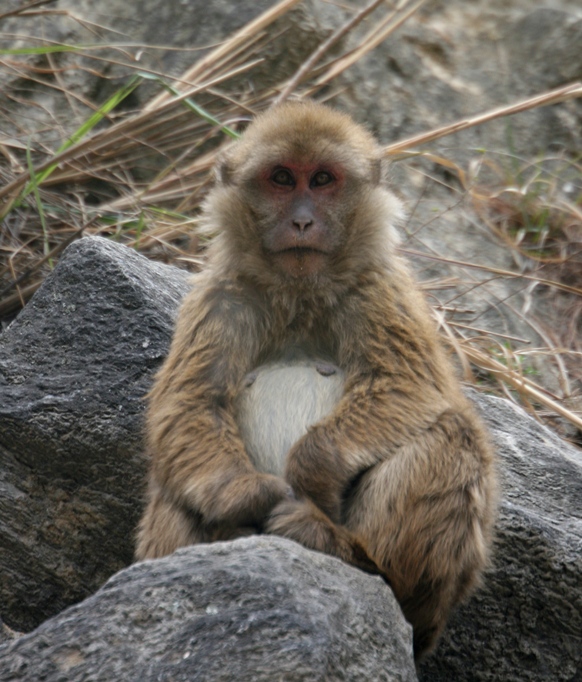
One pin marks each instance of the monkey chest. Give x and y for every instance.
(278, 402)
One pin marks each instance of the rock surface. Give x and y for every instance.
(71, 476)
(74, 368)
(252, 610)
(162, 39)
(449, 60)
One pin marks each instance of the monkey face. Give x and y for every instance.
(300, 229)
(300, 208)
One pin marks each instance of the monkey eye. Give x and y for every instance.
(321, 178)
(282, 177)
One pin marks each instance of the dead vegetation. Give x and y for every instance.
(139, 176)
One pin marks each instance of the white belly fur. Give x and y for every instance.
(279, 406)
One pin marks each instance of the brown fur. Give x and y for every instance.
(399, 474)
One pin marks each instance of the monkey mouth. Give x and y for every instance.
(301, 251)
(300, 261)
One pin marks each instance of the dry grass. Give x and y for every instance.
(53, 194)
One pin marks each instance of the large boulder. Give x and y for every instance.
(74, 368)
(257, 609)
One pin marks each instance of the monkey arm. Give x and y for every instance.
(397, 385)
(321, 465)
(198, 457)
(369, 425)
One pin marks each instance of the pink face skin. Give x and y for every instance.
(303, 195)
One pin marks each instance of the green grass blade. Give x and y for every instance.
(39, 205)
(83, 130)
(44, 49)
(190, 104)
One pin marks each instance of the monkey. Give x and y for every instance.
(306, 392)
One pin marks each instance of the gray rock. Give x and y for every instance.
(544, 48)
(457, 59)
(448, 61)
(525, 623)
(74, 368)
(250, 610)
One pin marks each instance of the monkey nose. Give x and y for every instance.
(302, 224)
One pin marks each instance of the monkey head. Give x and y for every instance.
(298, 193)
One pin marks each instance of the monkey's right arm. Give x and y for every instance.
(198, 457)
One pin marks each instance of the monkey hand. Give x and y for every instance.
(302, 521)
(242, 501)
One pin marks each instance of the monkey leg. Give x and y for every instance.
(163, 527)
(303, 522)
(426, 522)
(428, 606)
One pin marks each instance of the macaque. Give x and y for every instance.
(306, 393)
